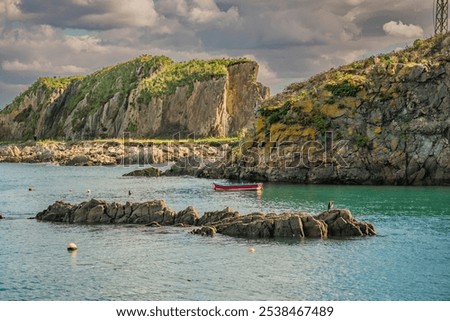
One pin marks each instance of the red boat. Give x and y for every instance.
(238, 187)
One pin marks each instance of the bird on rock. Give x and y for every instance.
(330, 205)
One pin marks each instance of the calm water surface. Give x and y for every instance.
(408, 260)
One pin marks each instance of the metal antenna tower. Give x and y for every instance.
(441, 20)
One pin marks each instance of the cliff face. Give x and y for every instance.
(384, 120)
(147, 97)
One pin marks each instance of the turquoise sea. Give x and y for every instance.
(408, 260)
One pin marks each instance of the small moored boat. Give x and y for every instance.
(238, 187)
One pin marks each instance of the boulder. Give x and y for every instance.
(153, 224)
(187, 166)
(205, 231)
(314, 227)
(288, 225)
(254, 225)
(152, 211)
(88, 212)
(212, 217)
(147, 172)
(259, 225)
(189, 216)
(58, 212)
(79, 160)
(340, 222)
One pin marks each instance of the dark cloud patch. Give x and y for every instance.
(64, 13)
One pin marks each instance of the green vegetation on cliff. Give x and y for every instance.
(157, 75)
(176, 75)
(99, 87)
(122, 98)
(310, 108)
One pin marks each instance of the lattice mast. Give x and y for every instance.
(441, 17)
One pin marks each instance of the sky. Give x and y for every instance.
(290, 39)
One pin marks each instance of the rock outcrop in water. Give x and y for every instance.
(333, 223)
(150, 96)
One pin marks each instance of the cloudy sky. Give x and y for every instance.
(291, 39)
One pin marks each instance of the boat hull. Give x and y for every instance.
(238, 187)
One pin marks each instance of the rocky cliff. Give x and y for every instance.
(146, 97)
(383, 120)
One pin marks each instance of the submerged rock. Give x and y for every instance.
(333, 223)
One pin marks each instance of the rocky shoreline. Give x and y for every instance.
(297, 225)
(108, 153)
(214, 161)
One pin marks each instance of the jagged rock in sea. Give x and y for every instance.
(217, 216)
(189, 216)
(150, 96)
(205, 231)
(334, 223)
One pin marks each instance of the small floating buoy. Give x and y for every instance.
(252, 250)
(72, 247)
(29, 189)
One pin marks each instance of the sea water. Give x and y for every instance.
(409, 259)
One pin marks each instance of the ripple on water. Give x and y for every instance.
(408, 261)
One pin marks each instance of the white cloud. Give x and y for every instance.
(290, 39)
(354, 2)
(85, 14)
(116, 14)
(11, 8)
(266, 75)
(9, 91)
(43, 66)
(398, 29)
(206, 11)
(173, 7)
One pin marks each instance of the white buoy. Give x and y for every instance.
(88, 191)
(72, 247)
(252, 250)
